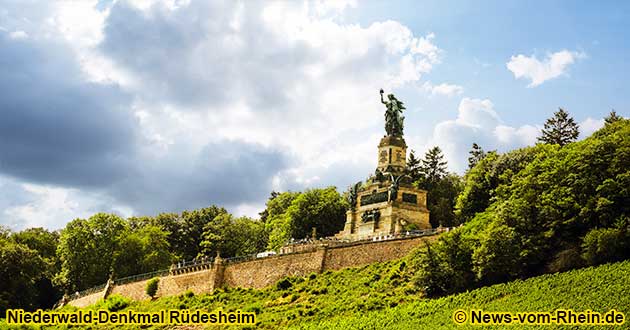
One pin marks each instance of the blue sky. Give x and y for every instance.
(490, 32)
(145, 106)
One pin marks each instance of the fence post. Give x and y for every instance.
(218, 271)
(108, 288)
(322, 266)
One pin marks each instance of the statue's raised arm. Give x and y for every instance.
(382, 100)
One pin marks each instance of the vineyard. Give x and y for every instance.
(384, 296)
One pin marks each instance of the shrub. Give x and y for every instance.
(603, 245)
(152, 286)
(284, 284)
(115, 303)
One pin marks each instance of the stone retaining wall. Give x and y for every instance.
(259, 273)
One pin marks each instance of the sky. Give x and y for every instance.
(141, 107)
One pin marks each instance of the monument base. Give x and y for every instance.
(376, 215)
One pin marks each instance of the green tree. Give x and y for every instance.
(441, 200)
(444, 267)
(191, 230)
(560, 129)
(603, 245)
(277, 224)
(142, 250)
(45, 243)
(476, 155)
(233, 237)
(322, 209)
(152, 286)
(86, 250)
(497, 257)
(612, 117)
(433, 167)
(20, 270)
(413, 167)
(265, 213)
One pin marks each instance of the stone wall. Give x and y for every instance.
(264, 272)
(364, 253)
(260, 273)
(87, 300)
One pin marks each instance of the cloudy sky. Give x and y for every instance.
(139, 107)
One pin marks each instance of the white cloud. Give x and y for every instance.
(477, 113)
(51, 207)
(477, 121)
(589, 125)
(444, 89)
(304, 67)
(517, 136)
(553, 66)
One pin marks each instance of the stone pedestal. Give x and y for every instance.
(392, 154)
(387, 203)
(406, 212)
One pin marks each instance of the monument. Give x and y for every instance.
(387, 202)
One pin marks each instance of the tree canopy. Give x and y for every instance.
(542, 208)
(560, 129)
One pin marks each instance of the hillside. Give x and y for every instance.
(360, 298)
(599, 289)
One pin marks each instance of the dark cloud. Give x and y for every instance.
(54, 126)
(225, 173)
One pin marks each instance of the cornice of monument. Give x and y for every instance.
(393, 140)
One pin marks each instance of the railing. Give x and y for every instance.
(140, 277)
(87, 292)
(310, 244)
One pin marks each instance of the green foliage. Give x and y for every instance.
(20, 272)
(233, 236)
(598, 289)
(141, 251)
(284, 284)
(603, 245)
(39, 239)
(45, 243)
(444, 267)
(92, 250)
(476, 155)
(612, 118)
(441, 200)
(152, 286)
(527, 209)
(86, 251)
(433, 167)
(559, 129)
(115, 303)
(443, 188)
(496, 259)
(493, 171)
(349, 304)
(192, 229)
(265, 213)
(322, 209)
(413, 167)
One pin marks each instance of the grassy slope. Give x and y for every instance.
(597, 288)
(381, 296)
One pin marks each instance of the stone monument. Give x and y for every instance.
(387, 202)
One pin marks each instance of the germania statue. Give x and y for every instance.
(393, 116)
